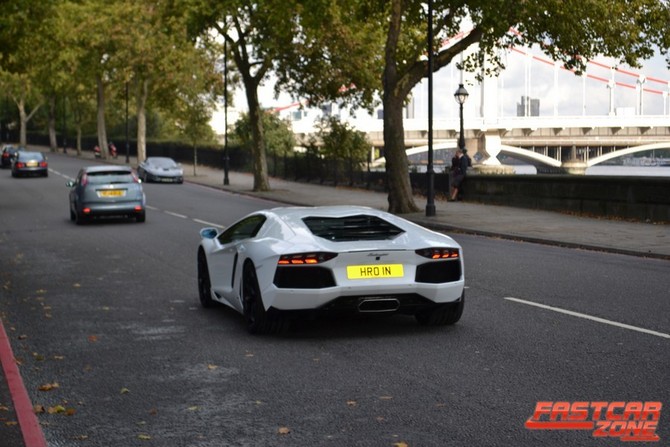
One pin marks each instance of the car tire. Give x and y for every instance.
(73, 216)
(443, 314)
(141, 217)
(259, 320)
(80, 219)
(204, 283)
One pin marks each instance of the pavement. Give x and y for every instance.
(530, 225)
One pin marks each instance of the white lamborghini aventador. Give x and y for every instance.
(280, 263)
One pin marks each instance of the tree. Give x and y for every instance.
(254, 32)
(21, 28)
(570, 31)
(278, 135)
(342, 143)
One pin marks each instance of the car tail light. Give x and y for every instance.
(87, 210)
(5, 155)
(138, 208)
(43, 164)
(84, 180)
(20, 164)
(438, 253)
(305, 258)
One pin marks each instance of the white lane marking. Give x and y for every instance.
(590, 317)
(209, 224)
(149, 207)
(176, 214)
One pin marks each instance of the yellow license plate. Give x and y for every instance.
(111, 193)
(375, 271)
(31, 164)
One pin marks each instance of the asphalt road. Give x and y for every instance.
(107, 316)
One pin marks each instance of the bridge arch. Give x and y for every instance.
(529, 155)
(627, 151)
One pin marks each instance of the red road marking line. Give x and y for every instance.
(30, 426)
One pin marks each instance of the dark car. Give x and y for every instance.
(30, 163)
(102, 191)
(8, 155)
(160, 169)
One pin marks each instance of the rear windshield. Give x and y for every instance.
(352, 228)
(30, 156)
(107, 177)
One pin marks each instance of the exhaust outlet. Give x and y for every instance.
(379, 305)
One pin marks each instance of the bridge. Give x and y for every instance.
(631, 113)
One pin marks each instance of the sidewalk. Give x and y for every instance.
(633, 238)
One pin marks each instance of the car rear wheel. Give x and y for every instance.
(80, 219)
(204, 284)
(141, 217)
(259, 320)
(73, 216)
(442, 315)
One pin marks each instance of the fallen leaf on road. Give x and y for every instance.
(284, 430)
(76, 285)
(400, 444)
(351, 403)
(212, 367)
(56, 409)
(39, 409)
(144, 437)
(11, 423)
(92, 338)
(125, 391)
(22, 337)
(193, 408)
(48, 386)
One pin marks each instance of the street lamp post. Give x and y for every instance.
(226, 159)
(430, 173)
(461, 94)
(127, 141)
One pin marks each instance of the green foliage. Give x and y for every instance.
(342, 142)
(279, 138)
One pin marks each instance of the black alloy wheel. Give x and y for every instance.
(204, 284)
(443, 314)
(259, 320)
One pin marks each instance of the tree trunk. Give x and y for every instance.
(102, 128)
(261, 182)
(53, 143)
(142, 95)
(78, 140)
(400, 196)
(23, 139)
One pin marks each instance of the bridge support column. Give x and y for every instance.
(490, 146)
(574, 167)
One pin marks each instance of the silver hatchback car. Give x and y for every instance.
(106, 191)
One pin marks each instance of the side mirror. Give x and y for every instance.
(70, 184)
(208, 233)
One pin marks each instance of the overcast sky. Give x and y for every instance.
(528, 72)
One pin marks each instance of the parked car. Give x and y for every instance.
(106, 191)
(8, 155)
(276, 264)
(29, 163)
(160, 169)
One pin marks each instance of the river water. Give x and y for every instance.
(635, 171)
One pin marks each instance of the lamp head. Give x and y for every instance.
(461, 94)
